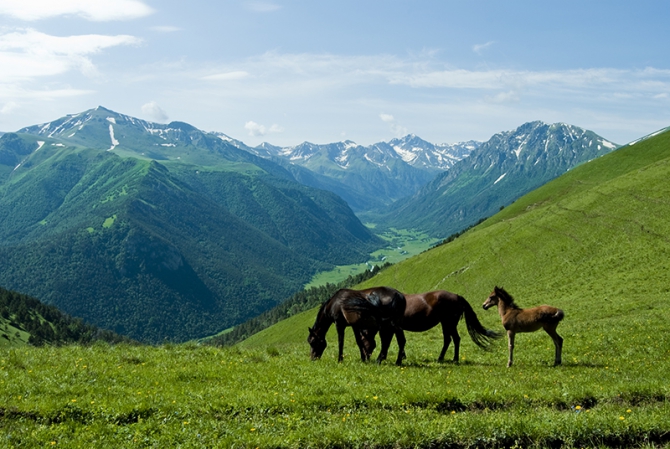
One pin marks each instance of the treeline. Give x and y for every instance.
(46, 324)
(298, 303)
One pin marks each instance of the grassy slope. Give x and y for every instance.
(594, 243)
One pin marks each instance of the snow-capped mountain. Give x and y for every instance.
(498, 172)
(410, 149)
(367, 176)
(419, 153)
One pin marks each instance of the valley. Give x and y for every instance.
(592, 242)
(401, 244)
(163, 231)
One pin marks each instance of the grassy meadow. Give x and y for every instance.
(595, 242)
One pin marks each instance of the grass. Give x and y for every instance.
(593, 243)
(401, 244)
(10, 336)
(199, 396)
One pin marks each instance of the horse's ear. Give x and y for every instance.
(311, 330)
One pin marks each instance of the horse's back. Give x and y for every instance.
(371, 305)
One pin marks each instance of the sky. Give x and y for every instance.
(289, 71)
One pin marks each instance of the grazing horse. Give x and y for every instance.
(373, 308)
(425, 311)
(515, 319)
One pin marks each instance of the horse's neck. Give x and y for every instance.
(323, 323)
(503, 309)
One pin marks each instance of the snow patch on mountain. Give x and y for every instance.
(111, 135)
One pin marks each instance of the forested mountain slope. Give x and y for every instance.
(160, 231)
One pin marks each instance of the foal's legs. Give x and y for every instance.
(558, 343)
(510, 344)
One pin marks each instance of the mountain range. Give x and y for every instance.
(494, 175)
(160, 231)
(163, 231)
(366, 177)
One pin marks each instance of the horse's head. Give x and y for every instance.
(493, 299)
(317, 343)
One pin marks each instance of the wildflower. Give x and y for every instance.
(253, 429)
(621, 418)
(628, 411)
(453, 412)
(579, 407)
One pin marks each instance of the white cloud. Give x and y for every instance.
(479, 48)
(399, 130)
(255, 130)
(227, 76)
(165, 29)
(95, 10)
(396, 129)
(29, 53)
(154, 112)
(511, 96)
(8, 107)
(262, 6)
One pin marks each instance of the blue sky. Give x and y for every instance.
(286, 71)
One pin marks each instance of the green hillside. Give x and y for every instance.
(593, 242)
(27, 321)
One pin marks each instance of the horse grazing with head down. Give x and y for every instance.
(515, 319)
(373, 308)
(425, 311)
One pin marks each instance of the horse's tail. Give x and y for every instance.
(479, 334)
(559, 315)
(554, 316)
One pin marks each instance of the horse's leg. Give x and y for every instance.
(400, 338)
(361, 345)
(446, 338)
(457, 342)
(340, 341)
(386, 336)
(558, 343)
(510, 343)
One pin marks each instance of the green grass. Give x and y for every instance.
(594, 243)
(10, 336)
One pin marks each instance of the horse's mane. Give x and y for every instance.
(506, 298)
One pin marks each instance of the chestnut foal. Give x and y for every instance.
(515, 319)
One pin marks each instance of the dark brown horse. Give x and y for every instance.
(425, 311)
(373, 308)
(515, 319)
